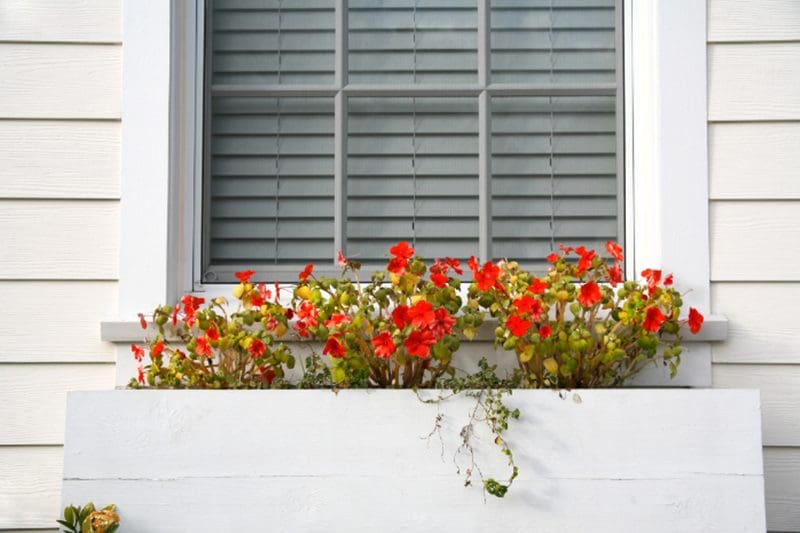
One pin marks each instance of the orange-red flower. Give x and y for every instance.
(306, 272)
(256, 348)
(138, 353)
(528, 304)
(341, 259)
(157, 349)
(384, 345)
(615, 275)
(537, 286)
(653, 277)
(142, 321)
(443, 324)
(455, 264)
(486, 276)
(518, 326)
(589, 294)
(614, 250)
(421, 314)
(402, 250)
(203, 347)
(553, 258)
(175, 314)
(668, 280)
(212, 333)
(653, 319)
(545, 331)
(400, 316)
(397, 265)
(587, 256)
(308, 313)
(245, 275)
(419, 343)
(337, 319)
(141, 375)
(334, 347)
(695, 320)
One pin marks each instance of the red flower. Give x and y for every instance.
(443, 324)
(653, 319)
(256, 299)
(334, 348)
(141, 375)
(566, 250)
(545, 331)
(142, 321)
(421, 314)
(301, 328)
(517, 326)
(263, 291)
(528, 304)
(439, 273)
(614, 250)
(203, 348)
(308, 314)
(652, 277)
(472, 263)
(695, 320)
(455, 264)
(341, 259)
(256, 348)
(245, 275)
(486, 277)
(615, 275)
(538, 286)
(553, 258)
(175, 314)
(590, 294)
(268, 373)
(586, 259)
(419, 343)
(402, 250)
(400, 316)
(306, 272)
(157, 349)
(190, 306)
(138, 353)
(337, 319)
(440, 280)
(668, 280)
(277, 291)
(384, 345)
(212, 333)
(397, 265)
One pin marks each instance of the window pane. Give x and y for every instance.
(413, 41)
(271, 181)
(412, 175)
(553, 41)
(272, 42)
(554, 174)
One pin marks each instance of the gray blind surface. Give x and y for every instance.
(411, 161)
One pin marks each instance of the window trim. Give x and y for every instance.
(666, 140)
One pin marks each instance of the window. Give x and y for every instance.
(466, 127)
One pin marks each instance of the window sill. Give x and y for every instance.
(715, 329)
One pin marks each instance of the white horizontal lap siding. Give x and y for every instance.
(754, 172)
(60, 101)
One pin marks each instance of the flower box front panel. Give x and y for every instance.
(314, 460)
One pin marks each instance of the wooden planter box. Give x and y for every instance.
(365, 461)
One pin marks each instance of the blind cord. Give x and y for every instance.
(551, 163)
(414, 135)
(278, 136)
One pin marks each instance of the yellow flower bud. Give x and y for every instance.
(303, 292)
(238, 291)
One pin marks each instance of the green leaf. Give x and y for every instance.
(67, 525)
(70, 514)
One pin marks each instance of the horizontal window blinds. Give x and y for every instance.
(398, 83)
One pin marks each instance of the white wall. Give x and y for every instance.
(754, 160)
(60, 98)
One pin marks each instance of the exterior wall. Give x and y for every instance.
(60, 99)
(754, 160)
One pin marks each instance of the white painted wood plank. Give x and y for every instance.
(361, 505)
(33, 398)
(707, 431)
(60, 80)
(61, 20)
(755, 241)
(746, 20)
(751, 338)
(755, 160)
(73, 337)
(782, 484)
(30, 486)
(780, 397)
(754, 81)
(59, 159)
(320, 457)
(58, 239)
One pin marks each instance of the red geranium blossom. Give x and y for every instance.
(552, 258)
(263, 291)
(421, 314)
(590, 294)
(306, 272)
(141, 375)
(138, 353)
(695, 320)
(485, 276)
(528, 304)
(517, 326)
(308, 313)
(455, 264)
(175, 314)
(142, 321)
(538, 286)
(614, 250)
(615, 275)
(545, 331)
(256, 348)
(653, 319)
(443, 324)
(668, 280)
(212, 333)
(419, 343)
(190, 306)
(384, 345)
(397, 265)
(245, 275)
(157, 349)
(203, 348)
(400, 316)
(337, 319)
(256, 299)
(334, 348)
(341, 259)
(402, 250)
(587, 256)
(652, 277)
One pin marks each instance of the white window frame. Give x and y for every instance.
(665, 162)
